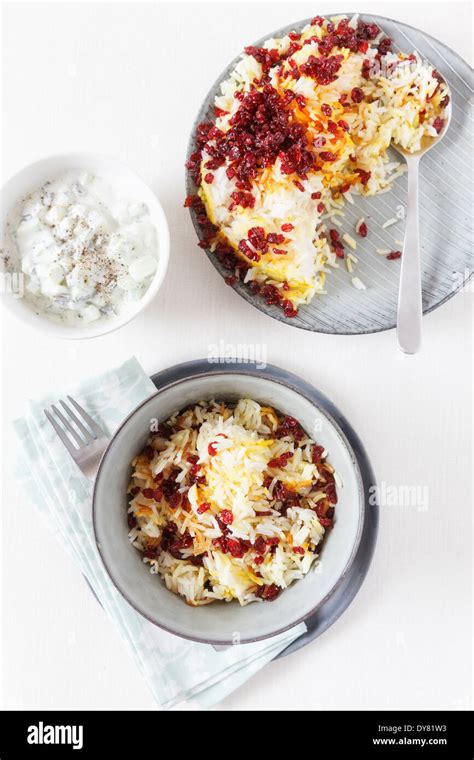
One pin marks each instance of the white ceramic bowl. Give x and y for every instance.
(221, 622)
(121, 178)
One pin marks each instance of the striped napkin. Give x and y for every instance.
(180, 673)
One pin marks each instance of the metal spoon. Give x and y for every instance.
(410, 311)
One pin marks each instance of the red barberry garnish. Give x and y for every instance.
(364, 175)
(385, 45)
(270, 592)
(235, 547)
(280, 461)
(317, 454)
(267, 58)
(275, 238)
(326, 522)
(226, 517)
(327, 155)
(323, 69)
(175, 500)
(256, 235)
(366, 68)
(260, 545)
(289, 308)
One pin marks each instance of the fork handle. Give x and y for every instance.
(410, 312)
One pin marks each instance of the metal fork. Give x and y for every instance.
(86, 442)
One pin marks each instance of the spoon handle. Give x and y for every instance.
(410, 311)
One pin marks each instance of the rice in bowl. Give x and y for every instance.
(230, 502)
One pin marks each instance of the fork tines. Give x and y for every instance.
(85, 432)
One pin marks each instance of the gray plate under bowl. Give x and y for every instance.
(347, 589)
(333, 608)
(446, 199)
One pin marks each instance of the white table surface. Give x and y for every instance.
(127, 80)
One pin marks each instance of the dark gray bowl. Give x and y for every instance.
(219, 623)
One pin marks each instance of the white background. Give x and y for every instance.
(127, 80)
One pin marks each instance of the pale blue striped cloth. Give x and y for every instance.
(180, 673)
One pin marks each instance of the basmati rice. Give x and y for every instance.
(349, 121)
(230, 502)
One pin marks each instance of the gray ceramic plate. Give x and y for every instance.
(446, 200)
(348, 587)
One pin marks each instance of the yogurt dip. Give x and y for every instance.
(87, 252)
